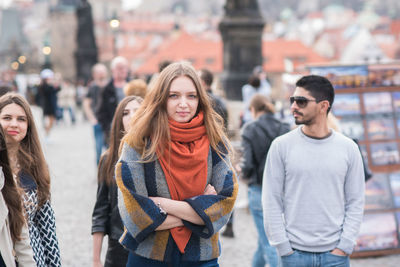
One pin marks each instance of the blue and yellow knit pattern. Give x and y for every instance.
(137, 181)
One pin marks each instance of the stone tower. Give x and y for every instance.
(86, 54)
(241, 29)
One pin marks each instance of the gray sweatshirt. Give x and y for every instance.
(313, 193)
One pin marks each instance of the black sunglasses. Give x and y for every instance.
(301, 101)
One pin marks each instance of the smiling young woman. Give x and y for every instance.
(14, 239)
(30, 169)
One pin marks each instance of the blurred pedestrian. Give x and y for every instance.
(66, 101)
(8, 79)
(161, 66)
(257, 137)
(14, 239)
(90, 103)
(313, 185)
(206, 79)
(30, 170)
(48, 98)
(81, 92)
(248, 90)
(217, 102)
(112, 94)
(264, 84)
(57, 83)
(176, 183)
(137, 87)
(4, 89)
(105, 218)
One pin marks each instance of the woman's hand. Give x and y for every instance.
(210, 190)
(180, 209)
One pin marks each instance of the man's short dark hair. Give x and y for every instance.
(319, 87)
(207, 77)
(4, 89)
(254, 81)
(163, 64)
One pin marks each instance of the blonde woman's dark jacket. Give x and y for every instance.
(105, 216)
(257, 137)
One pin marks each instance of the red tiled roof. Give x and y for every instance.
(146, 26)
(275, 52)
(207, 53)
(395, 28)
(202, 53)
(315, 15)
(336, 39)
(391, 49)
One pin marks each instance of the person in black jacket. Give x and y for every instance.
(105, 218)
(90, 103)
(206, 78)
(257, 137)
(112, 94)
(48, 90)
(218, 104)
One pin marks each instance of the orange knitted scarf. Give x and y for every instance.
(184, 164)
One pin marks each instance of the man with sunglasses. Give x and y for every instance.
(313, 184)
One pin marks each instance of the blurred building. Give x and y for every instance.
(183, 29)
(205, 51)
(13, 41)
(104, 10)
(62, 32)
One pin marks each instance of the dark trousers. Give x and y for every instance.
(116, 255)
(138, 261)
(2, 264)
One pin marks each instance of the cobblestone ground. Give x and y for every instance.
(71, 159)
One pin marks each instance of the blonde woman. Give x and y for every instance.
(137, 87)
(176, 183)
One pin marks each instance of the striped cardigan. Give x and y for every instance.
(136, 181)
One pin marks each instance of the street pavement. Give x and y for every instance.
(71, 159)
